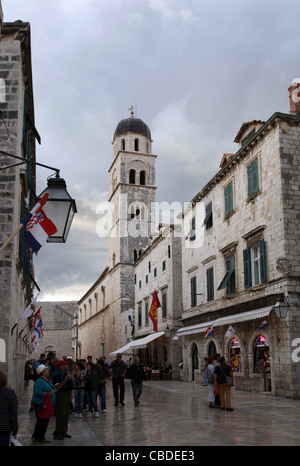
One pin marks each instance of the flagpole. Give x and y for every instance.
(4, 245)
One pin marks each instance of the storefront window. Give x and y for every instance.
(261, 355)
(235, 355)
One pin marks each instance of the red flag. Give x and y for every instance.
(153, 310)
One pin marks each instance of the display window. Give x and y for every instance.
(261, 355)
(235, 355)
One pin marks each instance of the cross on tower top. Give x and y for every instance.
(131, 109)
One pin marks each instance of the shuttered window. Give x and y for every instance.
(228, 196)
(164, 304)
(193, 292)
(210, 284)
(208, 221)
(255, 264)
(253, 179)
(229, 279)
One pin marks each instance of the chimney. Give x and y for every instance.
(295, 96)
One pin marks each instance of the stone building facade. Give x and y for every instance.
(57, 327)
(18, 137)
(159, 268)
(244, 255)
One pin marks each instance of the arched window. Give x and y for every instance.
(136, 144)
(235, 355)
(123, 144)
(132, 176)
(212, 350)
(143, 177)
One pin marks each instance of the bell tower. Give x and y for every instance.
(132, 194)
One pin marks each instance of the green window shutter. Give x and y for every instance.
(230, 267)
(263, 271)
(228, 194)
(210, 284)
(247, 268)
(164, 305)
(253, 180)
(193, 292)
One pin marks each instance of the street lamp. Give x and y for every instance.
(281, 307)
(60, 208)
(167, 332)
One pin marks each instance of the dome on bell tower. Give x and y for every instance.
(132, 125)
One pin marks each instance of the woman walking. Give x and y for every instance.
(90, 393)
(79, 383)
(41, 387)
(210, 370)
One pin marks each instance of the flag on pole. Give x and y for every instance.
(30, 309)
(37, 317)
(153, 310)
(38, 227)
(132, 324)
(230, 331)
(263, 325)
(208, 332)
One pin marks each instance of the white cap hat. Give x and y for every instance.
(40, 369)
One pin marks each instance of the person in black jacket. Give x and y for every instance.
(8, 412)
(221, 371)
(137, 376)
(98, 380)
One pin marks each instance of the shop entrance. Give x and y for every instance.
(195, 360)
(262, 360)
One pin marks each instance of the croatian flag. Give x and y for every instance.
(264, 324)
(38, 227)
(37, 317)
(208, 332)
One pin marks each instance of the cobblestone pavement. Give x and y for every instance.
(173, 413)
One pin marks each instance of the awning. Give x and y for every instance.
(140, 343)
(200, 328)
(242, 317)
(143, 342)
(125, 349)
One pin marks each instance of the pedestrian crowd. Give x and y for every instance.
(63, 387)
(217, 374)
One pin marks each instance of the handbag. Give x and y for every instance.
(46, 410)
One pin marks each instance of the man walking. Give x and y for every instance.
(98, 380)
(137, 375)
(118, 371)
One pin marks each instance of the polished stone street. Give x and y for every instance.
(175, 413)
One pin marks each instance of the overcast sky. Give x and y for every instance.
(195, 70)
